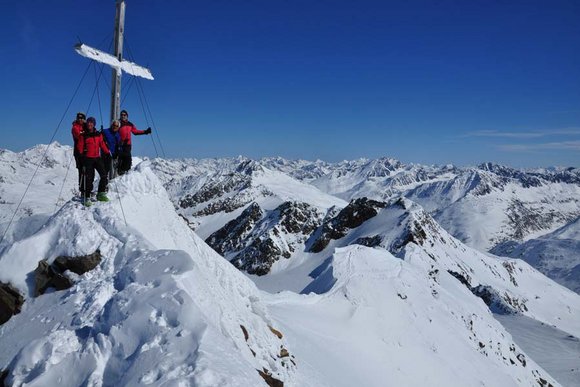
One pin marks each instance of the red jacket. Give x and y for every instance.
(92, 143)
(77, 136)
(125, 131)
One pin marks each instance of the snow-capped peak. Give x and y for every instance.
(161, 308)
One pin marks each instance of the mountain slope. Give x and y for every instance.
(482, 206)
(161, 308)
(507, 285)
(557, 254)
(212, 193)
(379, 320)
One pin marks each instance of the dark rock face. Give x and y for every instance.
(259, 257)
(45, 277)
(3, 376)
(462, 277)
(10, 302)
(255, 240)
(497, 303)
(373, 241)
(269, 246)
(297, 217)
(232, 235)
(269, 379)
(356, 213)
(52, 276)
(78, 265)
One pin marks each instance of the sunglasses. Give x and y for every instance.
(81, 118)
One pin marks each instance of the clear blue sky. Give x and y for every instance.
(423, 81)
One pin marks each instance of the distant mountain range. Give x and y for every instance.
(370, 270)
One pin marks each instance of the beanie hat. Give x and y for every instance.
(92, 119)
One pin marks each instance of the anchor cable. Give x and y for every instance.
(45, 152)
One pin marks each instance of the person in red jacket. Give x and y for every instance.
(127, 127)
(77, 129)
(92, 144)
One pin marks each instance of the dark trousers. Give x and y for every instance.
(90, 165)
(124, 159)
(110, 163)
(79, 164)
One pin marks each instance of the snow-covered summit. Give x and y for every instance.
(161, 308)
(402, 227)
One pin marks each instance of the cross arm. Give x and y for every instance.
(103, 57)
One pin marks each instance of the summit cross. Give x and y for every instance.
(116, 61)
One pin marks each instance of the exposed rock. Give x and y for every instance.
(255, 240)
(503, 304)
(235, 231)
(78, 265)
(296, 217)
(45, 276)
(276, 332)
(3, 376)
(259, 256)
(356, 213)
(270, 380)
(245, 331)
(284, 353)
(462, 277)
(53, 276)
(373, 241)
(10, 302)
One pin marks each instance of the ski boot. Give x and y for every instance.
(102, 197)
(86, 202)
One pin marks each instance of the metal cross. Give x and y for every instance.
(116, 62)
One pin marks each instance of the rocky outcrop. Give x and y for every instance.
(356, 213)
(3, 376)
(231, 236)
(498, 303)
(269, 379)
(54, 275)
(256, 239)
(373, 241)
(10, 302)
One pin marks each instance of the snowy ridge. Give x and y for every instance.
(404, 226)
(161, 308)
(382, 320)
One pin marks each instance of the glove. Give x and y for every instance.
(148, 130)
